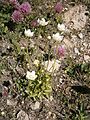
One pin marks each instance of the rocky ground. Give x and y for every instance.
(70, 96)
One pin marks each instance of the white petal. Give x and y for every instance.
(57, 37)
(28, 33)
(61, 27)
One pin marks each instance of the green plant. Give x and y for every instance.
(38, 88)
(41, 86)
(4, 17)
(78, 70)
(80, 115)
(21, 86)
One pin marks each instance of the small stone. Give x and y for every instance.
(86, 57)
(49, 37)
(54, 116)
(49, 113)
(60, 80)
(68, 43)
(36, 105)
(85, 44)
(22, 102)
(11, 102)
(76, 51)
(2, 113)
(22, 116)
(40, 36)
(80, 35)
(51, 98)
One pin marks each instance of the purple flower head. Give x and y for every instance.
(60, 51)
(58, 7)
(25, 8)
(34, 23)
(14, 2)
(17, 16)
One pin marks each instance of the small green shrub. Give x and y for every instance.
(76, 69)
(38, 88)
(41, 86)
(80, 115)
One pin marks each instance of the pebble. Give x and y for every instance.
(2, 113)
(51, 98)
(22, 115)
(11, 102)
(36, 105)
(49, 37)
(86, 57)
(61, 80)
(76, 51)
(80, 35)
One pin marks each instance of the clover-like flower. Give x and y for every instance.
(17, 16)
(61, 51)
(58, 7)
(25, 8)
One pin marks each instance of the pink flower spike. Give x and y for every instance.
(58, 7)
(17, 16)
(25, 8)
(61, 51)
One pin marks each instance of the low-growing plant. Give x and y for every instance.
(41, 86)
(78, 70)
(80, 115)
(38, 88)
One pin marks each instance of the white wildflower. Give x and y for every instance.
(58, 37)
(52, 65)
(42, 22)
(61, 27)
(28, 33)
(31, 75)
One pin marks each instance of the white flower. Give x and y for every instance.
(42, 22)
(52, 65)
(57, 37)
(61, 27)
(28, 33)
(36, 62)
(31, 75)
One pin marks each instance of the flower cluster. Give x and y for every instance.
(60, 51)
(58, 7)
(17, 16)
(20, 10)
